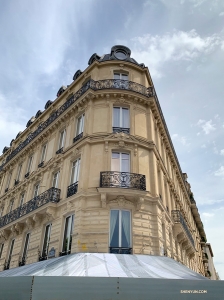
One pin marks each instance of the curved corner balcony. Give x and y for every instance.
(106, 84)
(51, 195)
(114, 179)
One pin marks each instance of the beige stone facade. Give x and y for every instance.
(100, 150)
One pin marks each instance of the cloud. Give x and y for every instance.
(220, 171)
(182, 139)
(221, 14)
(156, 50)
(207, 215)
(222, 152)
(207, 127)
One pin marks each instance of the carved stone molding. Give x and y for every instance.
(140, 203)
(104, 200)
(29, 223)
(50, 214)
(121, 201)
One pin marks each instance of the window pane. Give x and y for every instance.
(46, 240)
(114, 228)
(75, 171)
(116, 76)
(22, 199)
(125, 118)
(55, 180)
(124, 76)
(1, 249)
(125, 162)
(115, 163)
(116, 117)
(26, 245)
(125, 232)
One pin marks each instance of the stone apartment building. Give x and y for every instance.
(96, 171)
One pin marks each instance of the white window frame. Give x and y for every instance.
(75, 174)
(80, 124)
(29, 165)
(121, 116)
(121, 74)
(46, 247)
(11, 251)
(61, 141)
(43, 153)
(19, 172)
(69, 233)
(120, 161)
(120, 228)
(26, 244)
(55, 179)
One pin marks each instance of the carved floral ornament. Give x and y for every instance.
(122, 202)
(123, 140)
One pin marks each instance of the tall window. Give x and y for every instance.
(11, 205)
(1, 250)
(46, 241)
(29, 165)
(55, 179)
(80, 124)
(43, 153)
(67, 239)
(121, 119)
(22, 197)
(120, 162)
(61, 139)
(36, 190)
(120, 231)
(26, 246)
(10, 252)
(75, 171)
(19, 172)
(120, 76)
(9, 180)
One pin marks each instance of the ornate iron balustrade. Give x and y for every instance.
(64, 253)
(78, 137)
(59, 150)
(120, 250)
(72, 189)
(51, 195)
(27, 174)
(121, 129)
(6, 190)
(178, 218)
(122, 180)
(41, 164)
(91, 84)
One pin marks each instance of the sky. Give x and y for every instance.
(43, 43)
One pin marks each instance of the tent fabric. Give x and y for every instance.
(107, 265)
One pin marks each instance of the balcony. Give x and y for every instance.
(41, 164)
(205, 257)
(120, 250)
(121, 129)
(59, 150)
(6, 190)
(78, 137)
(114, 179)
(182, 232)
(72, 189)
(51, 195)
(93, 85)
(27, 175)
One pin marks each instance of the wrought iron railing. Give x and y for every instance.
(41, 164)
(16, 181)
(59, 150)
(27, 174)
(178, 218)
(78, 137)
(51, 195)
(121, 129)
(122, 180)
(120, 250)
(91, 84)
(72, 189)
